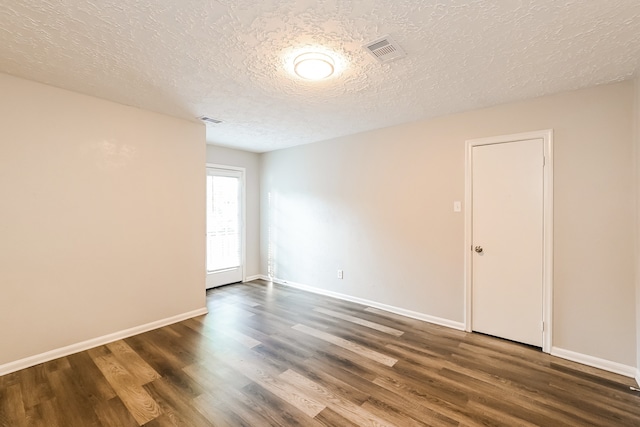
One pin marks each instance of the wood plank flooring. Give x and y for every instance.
(266, 355)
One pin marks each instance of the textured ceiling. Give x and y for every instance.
(231, 59)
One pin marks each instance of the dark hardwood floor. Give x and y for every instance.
(266, 355)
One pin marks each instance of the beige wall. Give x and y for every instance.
(379, 206)
(251, 163)
(102, 218)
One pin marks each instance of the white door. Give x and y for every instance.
(508, 240)
(225, 231)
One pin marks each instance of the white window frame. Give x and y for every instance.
(243, 213)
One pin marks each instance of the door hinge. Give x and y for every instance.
(544, 161)
(542, 326)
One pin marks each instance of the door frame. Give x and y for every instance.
(547, 268)
(243, 214)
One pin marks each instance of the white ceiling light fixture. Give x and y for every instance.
(313, 66)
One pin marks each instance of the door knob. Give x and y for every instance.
(478, 249)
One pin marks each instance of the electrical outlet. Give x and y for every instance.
(340, 274)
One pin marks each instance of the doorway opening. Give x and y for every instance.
(509, 237)
(225, 233)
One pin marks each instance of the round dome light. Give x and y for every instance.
(313, 66)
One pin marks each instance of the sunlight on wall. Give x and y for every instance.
(272, 236)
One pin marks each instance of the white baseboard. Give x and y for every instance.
(255, 277)
(397, 310)
(607, 365)
(27, 362)
(596, 362)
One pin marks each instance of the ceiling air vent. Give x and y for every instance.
(385, 49)
(210, 120)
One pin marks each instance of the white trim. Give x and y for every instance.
(596, 362)
(227, 167)
(243, 197)
(37, 359)
(251, 278)
(547, 303)
(636, 169)
(397, 310)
